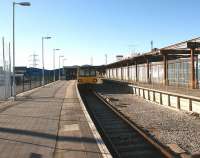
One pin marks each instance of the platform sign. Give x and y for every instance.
(193, 45)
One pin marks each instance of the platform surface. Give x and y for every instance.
(173, 89)
(47, 123)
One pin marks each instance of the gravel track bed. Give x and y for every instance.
(168, 125)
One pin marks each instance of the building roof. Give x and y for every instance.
(175, 51)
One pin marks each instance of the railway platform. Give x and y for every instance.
(150, 109)
(49, 122)
(171, 88)
(176, 97)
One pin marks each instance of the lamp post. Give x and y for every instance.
(61, 56)
(64, 61)
(21, 4)
(54, 73)
(106, 57)
(47, 37)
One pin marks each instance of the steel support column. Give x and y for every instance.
(116, 73)
(192, 70)
(148, 76)
(136, 74)
(165, 70)
(122, 75)
(128, 72)
(196, 72)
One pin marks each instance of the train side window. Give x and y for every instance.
(87, 73)
(92, 73)
(81, 73)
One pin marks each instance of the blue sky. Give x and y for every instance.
(92, 28)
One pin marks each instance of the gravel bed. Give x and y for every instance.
(169, 126)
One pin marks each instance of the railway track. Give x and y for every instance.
(123, 138)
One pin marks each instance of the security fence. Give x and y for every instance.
(178, 73)
(5, 70)
(32, 78)
(25, 80)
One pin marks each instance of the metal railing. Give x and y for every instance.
(27, 83)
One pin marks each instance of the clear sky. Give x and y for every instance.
(92, 28)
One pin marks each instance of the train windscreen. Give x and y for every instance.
(87, 73)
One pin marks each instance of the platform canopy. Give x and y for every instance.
(175, 51)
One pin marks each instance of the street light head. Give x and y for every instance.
(61, 56)
(24, 3)
(48, 37)
(57, 49)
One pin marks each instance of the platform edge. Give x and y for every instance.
(102, 147)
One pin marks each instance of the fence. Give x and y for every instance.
(5, 70)
(178, 73)
(28, 80)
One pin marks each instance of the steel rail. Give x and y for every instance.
(100, 126)
(164, 150)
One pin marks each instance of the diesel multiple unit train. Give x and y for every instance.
(87, 75)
